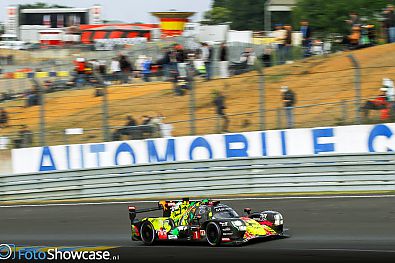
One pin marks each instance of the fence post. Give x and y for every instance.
(261, 102)
(105, 126)
(192, 108)
(357, 82)
(344, 112)
(41, 96)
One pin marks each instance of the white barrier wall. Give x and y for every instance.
(312, 141)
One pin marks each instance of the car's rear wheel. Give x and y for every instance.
(147, 233)
(213, 234)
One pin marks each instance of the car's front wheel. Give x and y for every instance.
(147, 233)
(213, 234)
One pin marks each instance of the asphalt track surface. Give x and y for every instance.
(341, 229)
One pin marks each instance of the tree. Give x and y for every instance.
(243, 15)
(328, 16)
(217, 15)
(40, 5)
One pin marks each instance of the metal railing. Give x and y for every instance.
(297, 174)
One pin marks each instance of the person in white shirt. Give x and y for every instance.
(115, 69)
(280, 35)
(207, 57)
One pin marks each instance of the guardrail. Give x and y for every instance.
(351, 172)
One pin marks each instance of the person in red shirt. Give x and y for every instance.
(380, 103)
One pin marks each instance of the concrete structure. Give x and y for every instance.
(271, 6)
(172, 23)
(49, 18)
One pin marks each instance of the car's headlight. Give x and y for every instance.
(239, 225)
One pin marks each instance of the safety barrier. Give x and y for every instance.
(351, 172)
(39, 75)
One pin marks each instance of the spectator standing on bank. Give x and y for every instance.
(25, 138)
(389, 23)
(115, 69)
(224, 61)
(288, 44)
(305, 29)
(219, 102)
(125, 67)
(280, 34)
(266, 57)
(146, 69)
(207, 54)
(289, 100)
(3, 118)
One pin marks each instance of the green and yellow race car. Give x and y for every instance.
(204, 220)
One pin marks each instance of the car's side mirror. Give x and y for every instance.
(247, 210)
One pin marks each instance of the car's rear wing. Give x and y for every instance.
(165, 206)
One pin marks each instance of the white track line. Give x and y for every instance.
(221, 199)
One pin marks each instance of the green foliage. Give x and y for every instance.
(217, 15)
(328, 16)
(38, 5)
(243, 14)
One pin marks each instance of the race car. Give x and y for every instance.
(204, 220)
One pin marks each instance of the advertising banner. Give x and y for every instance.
(309, 141)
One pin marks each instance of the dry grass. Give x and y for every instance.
(80, 108)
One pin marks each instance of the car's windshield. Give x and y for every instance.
(222, 212)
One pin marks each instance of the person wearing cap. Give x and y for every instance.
(289, 100)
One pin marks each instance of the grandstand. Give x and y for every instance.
(324, 88)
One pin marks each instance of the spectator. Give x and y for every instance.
(353, 20)
(138, 65)
(25, 138)
(146, 128)
(125, 68)
(207, 55)
(115, 69)
(130, 130)
(267, 57)
(306, 37)
(146, 69)
(224, 61)
(379, 103)
(219, 102)
(288, 44)
(389, 23)
(32, 97)
(289, 101)
(249, 57)
(280, 34)
(3, 118)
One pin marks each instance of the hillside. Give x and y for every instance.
(316, 80)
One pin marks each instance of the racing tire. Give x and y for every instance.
(213, 234)
(147, 233)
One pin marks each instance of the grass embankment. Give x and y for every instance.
(315, 80)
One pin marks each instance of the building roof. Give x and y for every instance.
(173, 14)
(54, 10)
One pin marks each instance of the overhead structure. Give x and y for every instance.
(172, 22)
